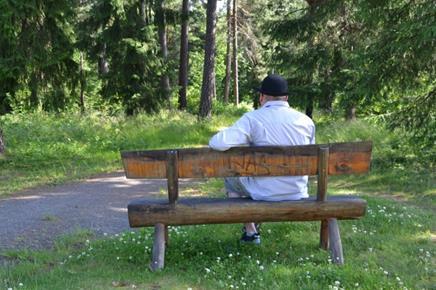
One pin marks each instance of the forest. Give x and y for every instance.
(82, 80)
(341, 58)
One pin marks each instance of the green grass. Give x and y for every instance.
(51, 149)
(392, 247)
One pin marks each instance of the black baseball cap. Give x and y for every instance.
(274, 85)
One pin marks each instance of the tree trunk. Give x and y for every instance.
(34, 83)
(235, 52)
(103, 65)
(161, 27)
(143, 12)
(82, 85)
(2, 143)
(310, 102)
(351, 112)
(309, 107)
(184, 56)
(228, 54)
(209, 62)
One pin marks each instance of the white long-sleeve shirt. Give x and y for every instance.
(274, 124)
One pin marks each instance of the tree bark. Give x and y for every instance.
(103, 65)
(310, 101)
(235, 52)
(207, 88)
(309, 107)
(143, 12)
(228, 54)
(82, 85)
(34, 83)
(2, 143)
(161, 27)
(351, 112)
(184, 56)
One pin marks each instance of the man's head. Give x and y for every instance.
(273, 87)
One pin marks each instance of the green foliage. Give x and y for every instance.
(127, 52)
(375, 56)
(37, 68)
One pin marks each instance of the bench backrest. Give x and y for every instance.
(320, 159)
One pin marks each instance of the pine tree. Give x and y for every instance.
(184, 56)
(207, 89)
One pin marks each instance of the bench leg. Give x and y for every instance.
(324, 235)
(166, 236)
(158, 255)
(335, 242)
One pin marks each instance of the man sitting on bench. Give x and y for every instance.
(274, 124)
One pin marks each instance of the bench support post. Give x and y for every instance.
(323, 159)
(172, 177)
(158, 254)
(324, 235)
(166, 236)
(335, 242)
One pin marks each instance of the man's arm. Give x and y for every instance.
(236, 135)
(312, 138)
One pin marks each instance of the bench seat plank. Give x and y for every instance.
(191, 211)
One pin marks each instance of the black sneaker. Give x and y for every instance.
(250, 239)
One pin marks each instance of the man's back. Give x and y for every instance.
(275, 124)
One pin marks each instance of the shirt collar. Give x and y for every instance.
(276, 104)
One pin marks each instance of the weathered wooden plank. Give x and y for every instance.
(344, 158)
(240, 210)
(158, 254)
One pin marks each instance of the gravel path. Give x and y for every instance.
(35, 218)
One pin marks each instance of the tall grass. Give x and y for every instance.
(46, 149)
(398, 168)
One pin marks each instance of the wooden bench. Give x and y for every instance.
(320, 160)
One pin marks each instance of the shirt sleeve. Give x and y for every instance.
(236, 135)
(312, 138)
